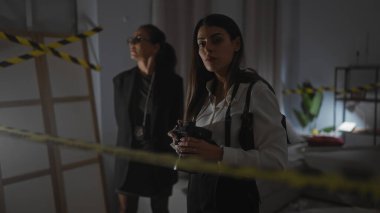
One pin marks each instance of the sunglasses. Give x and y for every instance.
(136, 40)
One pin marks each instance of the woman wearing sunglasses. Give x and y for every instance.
(148, 102)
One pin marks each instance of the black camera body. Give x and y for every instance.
(190, 130)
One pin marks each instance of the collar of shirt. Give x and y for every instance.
(209, 110)
(229, 99)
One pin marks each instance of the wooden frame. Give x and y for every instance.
(47, 102)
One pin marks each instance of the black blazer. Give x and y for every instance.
(167, 108)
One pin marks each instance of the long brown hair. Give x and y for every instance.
(198, 76)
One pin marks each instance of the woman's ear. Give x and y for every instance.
(237, 44)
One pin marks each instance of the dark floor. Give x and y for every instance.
(310, 205)
(302, 204)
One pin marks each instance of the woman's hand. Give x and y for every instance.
(174, 141)
(174, 136)
(189, 146)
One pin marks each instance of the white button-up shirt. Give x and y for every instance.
(269, 135)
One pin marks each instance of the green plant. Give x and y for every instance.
(311, 102)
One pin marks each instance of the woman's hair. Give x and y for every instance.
(199, 75)
(166, 58)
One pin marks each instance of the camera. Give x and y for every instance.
(183, 129)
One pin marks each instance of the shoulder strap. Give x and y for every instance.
(248, 98)
(283, 122)
(248, 101)
(246, 134)
(246, 110)
(227, 121)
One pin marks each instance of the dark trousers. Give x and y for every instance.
(159, 204)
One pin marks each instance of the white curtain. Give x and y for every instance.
(177, 19)
(256, 19)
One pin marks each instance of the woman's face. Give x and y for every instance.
(216, 48)
(140, 46)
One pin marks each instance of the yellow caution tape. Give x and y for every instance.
(41, 49)
(331, 182)
(363, 88)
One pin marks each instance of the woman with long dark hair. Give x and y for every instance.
(148, 102)
(241, 111)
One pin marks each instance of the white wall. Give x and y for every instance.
(319, 35)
